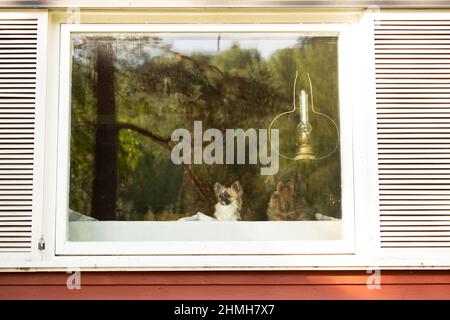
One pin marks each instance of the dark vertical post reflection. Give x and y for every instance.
(105, 172)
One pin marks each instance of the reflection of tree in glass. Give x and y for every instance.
(157, 90)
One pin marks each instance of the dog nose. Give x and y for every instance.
(224, 197)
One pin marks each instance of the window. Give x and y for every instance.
(203, 140)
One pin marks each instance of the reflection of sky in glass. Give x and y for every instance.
(188, 44)
(210, 44)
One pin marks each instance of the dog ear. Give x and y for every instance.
(218, 187)
(280, 186)
(291, 185)
(236, 186)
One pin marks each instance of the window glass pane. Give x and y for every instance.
(155, 136)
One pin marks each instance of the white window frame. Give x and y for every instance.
(347, 78)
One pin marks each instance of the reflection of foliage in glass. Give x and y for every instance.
(158, 90)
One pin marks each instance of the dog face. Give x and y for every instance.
(227, 196)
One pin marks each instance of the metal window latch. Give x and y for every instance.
(41, 244)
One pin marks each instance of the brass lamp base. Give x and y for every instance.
(304, 152)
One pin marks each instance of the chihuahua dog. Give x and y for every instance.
(229, 203)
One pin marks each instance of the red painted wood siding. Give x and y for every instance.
(227, 285)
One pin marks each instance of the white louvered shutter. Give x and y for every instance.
(412, 58)
(21, 38)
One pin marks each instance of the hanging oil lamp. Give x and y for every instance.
(304, 149)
